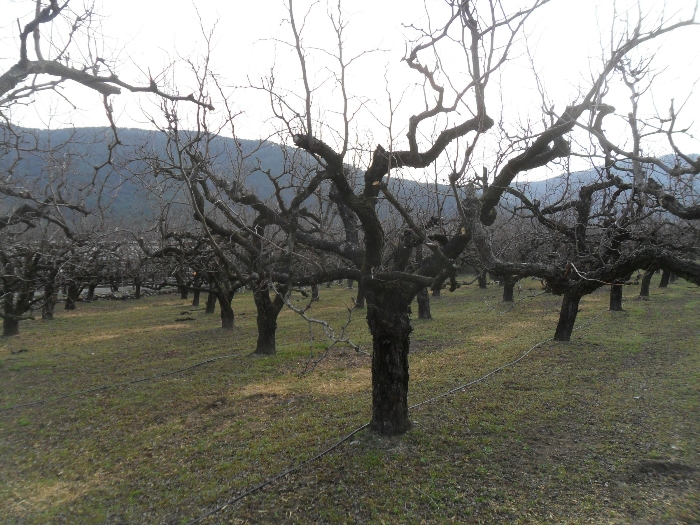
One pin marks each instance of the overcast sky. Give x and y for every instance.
(248, 43)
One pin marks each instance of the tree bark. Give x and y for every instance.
(423, 300)
(72, 295)
(360, 300)
(10, 327)
(211, 303)
(49, 302)
(314, 292)
(508, 288)
(91, 291)
(195, 298)
(616, 297)
(482, 280)
(184, 292)
(227, 315)
(567, 317)
(267, 310)
(665, 276)
(388, 309)
(436, 290)
(646, 281)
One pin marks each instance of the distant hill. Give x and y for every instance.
(79, 150)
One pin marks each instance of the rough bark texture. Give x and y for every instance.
(10, 327)
(91, 292)
(211, 304)
(72, 293)
(137, 290)
(195, 298)
(267, 310)
(567, 317)
(49, 302)
(665, 277)
(314, 292)
(616, 298)
(184, 292)
(360, 300)
(646, 281)
(482, 280)
(227, 315)
(423, 300)
(508, 288)
(388, 309)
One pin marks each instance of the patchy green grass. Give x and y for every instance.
(603, 429)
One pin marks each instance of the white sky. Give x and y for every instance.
(565, 38)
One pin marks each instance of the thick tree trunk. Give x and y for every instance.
(482, 280)
(137, 290)
(616, 297)
(388, 309)
(267, 311)
(423, 300)
(49, 302)
(567, 317)
(91, 292)
(314, 293)
(195, 298)
(508, 288)
(72, 295)
(665, 276)
(10, 327)
(646, 281)
(227, 315)
(211, 303)
(184, 292)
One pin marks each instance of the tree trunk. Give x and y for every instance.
(646, 281)
(423, 300)
(567, 317)
(616, 297)
(482, 280)
(665, 276)
(184, 292)
(211, 303)
(360, 300)
(10, 326)
(388, 309)
(314, 292)
(137, 290)
(267, 310)
(227, 315)
(436, 290)
(195, 298)
(72, 295)
(91, 292)
(49, 302)
(508, 288)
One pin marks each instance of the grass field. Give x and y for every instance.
(603, 429)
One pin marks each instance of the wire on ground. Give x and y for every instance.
(318, 456)
(117, 385)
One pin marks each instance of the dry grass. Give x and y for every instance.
(566, 436)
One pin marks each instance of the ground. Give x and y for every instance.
(603, 429)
